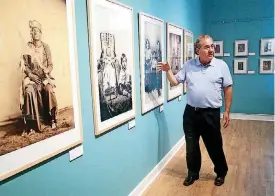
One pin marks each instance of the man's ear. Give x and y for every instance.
(196, 51)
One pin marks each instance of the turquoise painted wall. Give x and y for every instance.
(252, 94)
(115, 163)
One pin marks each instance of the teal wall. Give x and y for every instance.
(116, 162)
(252, 94)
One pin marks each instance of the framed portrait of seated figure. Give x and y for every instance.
(111, 41)
(40, 113)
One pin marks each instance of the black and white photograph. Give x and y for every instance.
(40, 83)
(114, 79)
(153, 55)
(151, 51)
(240, 66)
(188, 51)
(112, 65)
(266, 66)
(217, 48)
(188, 45)
(241, 47)
(175, 57)
(175, 52)
(218, 45)
(267, 46)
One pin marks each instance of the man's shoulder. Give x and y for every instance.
(219, 61)
(190, 62)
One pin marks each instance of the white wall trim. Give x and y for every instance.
(145, 183)
(243, 116)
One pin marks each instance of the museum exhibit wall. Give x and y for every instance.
(252, 20)
(113, 163)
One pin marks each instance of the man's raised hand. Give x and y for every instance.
(163, 66)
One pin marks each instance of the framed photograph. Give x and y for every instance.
(240, 66)
(266, 66)
(267, 46)
(188, 51)
(40, 112)
(112, 63)
(174, 56)
(218, 48)
(151, 37)
(241, 47)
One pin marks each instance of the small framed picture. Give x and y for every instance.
(241, 47)
(266, 66)
(218, 48)
(267, 46)
(240, 66)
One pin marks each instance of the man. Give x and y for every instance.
(205, 78)
(38, 100)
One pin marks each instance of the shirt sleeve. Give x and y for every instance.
(180, 76)
(227, 78)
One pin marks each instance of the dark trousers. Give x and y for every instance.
(205, 123)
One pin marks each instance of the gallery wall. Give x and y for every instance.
(252, 20)
(14, 36)
(114, 163)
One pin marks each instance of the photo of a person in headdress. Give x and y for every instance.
(38, 101)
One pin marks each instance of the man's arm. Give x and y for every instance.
(227, 88)
(228, 98)
(172, 79)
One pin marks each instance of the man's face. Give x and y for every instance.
(206, 51)
(36, 34)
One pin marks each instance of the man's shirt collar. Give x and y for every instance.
(212, 63)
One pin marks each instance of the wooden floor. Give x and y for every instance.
(249, 149)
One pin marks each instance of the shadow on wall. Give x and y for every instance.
(163, 136)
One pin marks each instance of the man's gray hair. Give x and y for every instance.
(198, 41)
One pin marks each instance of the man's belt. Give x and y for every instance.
(202, 109)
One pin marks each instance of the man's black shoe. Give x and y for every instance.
(219, 181)
(190, 180)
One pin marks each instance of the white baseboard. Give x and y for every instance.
(145, 183)
(243, 116)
